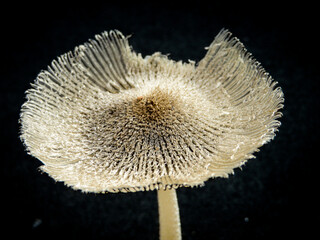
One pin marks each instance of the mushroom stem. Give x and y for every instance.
(169, 217)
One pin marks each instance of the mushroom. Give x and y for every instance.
(104, 119)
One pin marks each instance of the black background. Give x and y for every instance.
(273, 196)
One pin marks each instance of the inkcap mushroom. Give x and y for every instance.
(102, 118)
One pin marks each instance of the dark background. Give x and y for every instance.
(272, 197)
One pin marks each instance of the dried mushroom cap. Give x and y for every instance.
(103, 118)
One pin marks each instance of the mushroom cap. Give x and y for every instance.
(104, 119)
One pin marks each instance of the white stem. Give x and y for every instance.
(169, 217)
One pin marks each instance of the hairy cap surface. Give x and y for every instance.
(103, 118)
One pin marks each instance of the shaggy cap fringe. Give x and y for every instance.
(104, 119)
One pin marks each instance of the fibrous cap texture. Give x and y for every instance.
(105, 119)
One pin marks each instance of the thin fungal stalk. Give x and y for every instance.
(169, 217)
